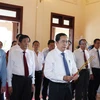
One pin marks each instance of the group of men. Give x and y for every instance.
(57, 66)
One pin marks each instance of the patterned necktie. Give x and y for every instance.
(98, 56)
(85, 58)
(26, 71)
(65, 64)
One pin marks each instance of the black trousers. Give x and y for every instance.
(22, 87)
(45, 88)
(94, 84)
(1, 94)
(38, 80)
(60, 91)
(82, 85)
(73, 88)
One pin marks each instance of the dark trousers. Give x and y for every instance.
(38, 80)
(1, 94)
(82, 85)
(45, 88)
(73, 88)
(94, 84)
(60, 91)
(22, 87)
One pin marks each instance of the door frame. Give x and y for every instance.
(61, 18)
(17, 9)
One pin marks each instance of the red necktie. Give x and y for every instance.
(26, 71)
(85, 58)
(98, 56)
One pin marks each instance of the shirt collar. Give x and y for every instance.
(95, 49)
(59, 52)
(35, 52)
(23, 50)
(81, 50)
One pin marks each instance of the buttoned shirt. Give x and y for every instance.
(95, 62)
(3, 72)
(16, 64)
(39, 60)
(79, 58)
(54, 67)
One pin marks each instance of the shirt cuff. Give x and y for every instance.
(9, 84)
(33, 82)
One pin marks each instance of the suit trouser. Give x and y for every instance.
(22, 87)
(1, 95)
(60, 91)
(94, 84)
(82, 85)
(45, 87)
(38, 80)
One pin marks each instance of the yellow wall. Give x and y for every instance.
(92, 20)
(36, 17)
(59, 6)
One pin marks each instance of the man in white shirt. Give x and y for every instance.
(21, 70)
(95, 65)
(59, 69)
(39, 60)
(81, 56)
(51, 46)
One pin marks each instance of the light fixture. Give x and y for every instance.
(41, 0)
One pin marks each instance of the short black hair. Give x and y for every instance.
(13, 42)
(95, 40)
(59, 35)
(51, 41)
(81, 41)
(35, 42)
(23, 37)
(17, 36)
(69, 41)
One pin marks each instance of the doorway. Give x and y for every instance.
(10, 23)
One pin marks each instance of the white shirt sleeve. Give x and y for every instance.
(33, 73)
(9, 69)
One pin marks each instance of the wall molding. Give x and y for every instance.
(91, 1)
(70, 1)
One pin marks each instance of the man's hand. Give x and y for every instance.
(32, 87)
(91, 77)
(67, 78)
(3, 89)
(75, 77)
(10, 90)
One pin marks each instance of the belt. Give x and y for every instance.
(65, 84)
(19, 76)
(40, 71)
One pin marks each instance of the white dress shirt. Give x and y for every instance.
(54, 67)
(16, 65)
(14, 47)
(95, 62)
(39, 60)
(79, 57)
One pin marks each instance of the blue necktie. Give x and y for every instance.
(65, 64)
